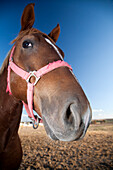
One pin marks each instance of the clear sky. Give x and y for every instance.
(86, 39)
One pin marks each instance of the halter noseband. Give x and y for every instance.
(30, 86)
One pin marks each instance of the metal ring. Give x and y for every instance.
(32, 74)
(36, 123)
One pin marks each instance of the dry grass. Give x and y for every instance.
(95, 151)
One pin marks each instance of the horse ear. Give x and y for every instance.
(28, 17)
(54, 34)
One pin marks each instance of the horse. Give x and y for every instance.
(36, 75)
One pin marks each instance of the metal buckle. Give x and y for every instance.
(32, 74)
(11, 60)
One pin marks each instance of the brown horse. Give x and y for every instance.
(58, 97)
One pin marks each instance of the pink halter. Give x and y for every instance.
(30, 86)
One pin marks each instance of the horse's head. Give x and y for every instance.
(58, 97)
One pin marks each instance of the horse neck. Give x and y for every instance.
(10, 108)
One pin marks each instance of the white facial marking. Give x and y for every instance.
(49, 42)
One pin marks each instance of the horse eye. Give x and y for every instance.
(27, 44)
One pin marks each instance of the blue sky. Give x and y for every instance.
(86, 39)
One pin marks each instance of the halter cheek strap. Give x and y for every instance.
(27, 76)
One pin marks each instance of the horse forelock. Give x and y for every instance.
(25, 32)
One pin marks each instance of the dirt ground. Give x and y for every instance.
(95, 151)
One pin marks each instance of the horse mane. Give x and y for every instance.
(5, 63)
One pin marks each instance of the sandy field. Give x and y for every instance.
(95, 151)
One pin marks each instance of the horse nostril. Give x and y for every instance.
(69, 116)
(72, 117)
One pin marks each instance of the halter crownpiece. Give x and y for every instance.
(30, 86)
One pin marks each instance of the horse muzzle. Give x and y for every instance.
(70, 126)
